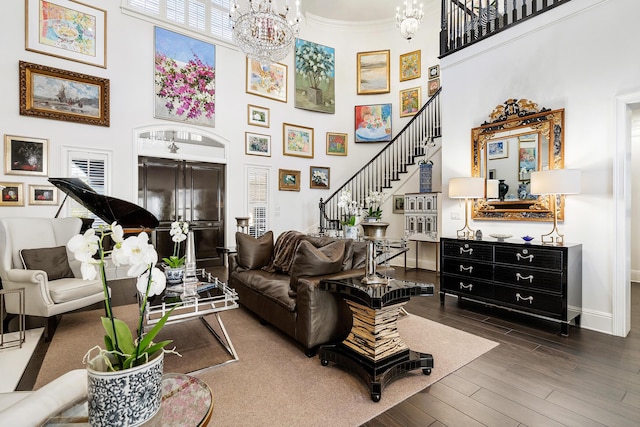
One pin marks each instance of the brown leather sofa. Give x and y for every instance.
(279, 283)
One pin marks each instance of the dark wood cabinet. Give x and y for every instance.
(538, 280)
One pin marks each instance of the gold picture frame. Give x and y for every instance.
(288, 180)
(337, 144)
(410, 101)
(433, 86)
(43, 195)
(26, 156)
(268, 81)
(410, 65)
(320, 177)
(258, 116)
(297, 140)
(257, 144)
(373, 72)
(67, 29)
(45, 93)
(11, 194)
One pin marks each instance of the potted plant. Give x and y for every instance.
(352, 214)
(174, 264)
(373, 201)
(315, 64)
(126, 365)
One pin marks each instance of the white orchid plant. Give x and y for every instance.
(352, 210)
(178, 233)
(373, 202)
(140, 255)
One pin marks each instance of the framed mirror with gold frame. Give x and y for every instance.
(519, 138)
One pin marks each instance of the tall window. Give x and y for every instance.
(258, 200)
(91, 168)
(209, 17)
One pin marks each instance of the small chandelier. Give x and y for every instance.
(261, 32)
(410, 18)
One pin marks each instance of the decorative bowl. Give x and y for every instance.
(500, 236)
(527, 238)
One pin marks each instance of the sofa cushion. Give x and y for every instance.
(274, 286)
(359, 258)
(254, 253)
(312, 261)
(52, 261)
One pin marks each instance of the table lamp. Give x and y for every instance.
(466, 188)
(492, 189)
(555, 182)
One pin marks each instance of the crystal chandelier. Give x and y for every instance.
(261, 32)
(410, 18)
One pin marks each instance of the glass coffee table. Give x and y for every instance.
(208, 296)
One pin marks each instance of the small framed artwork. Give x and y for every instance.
(492, 174)
(410, 101)
(433, 85)
(11, 193)
(528, 160)
(337, 144)
(497, 149)
(434, 72)
(373, 123)
(398, 203)
(257, 144)
(43, 195)
(269, 81)
(297, 140)
(410, 66)
(373, 72)
(258, 116)
(319, 177)
(52, 93)
(26, 156)
(288, 180)
(67, 29)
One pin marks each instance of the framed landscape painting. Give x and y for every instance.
(319, 177)
(257, 144)
(269, 81)
(410, 101)
(52, 93)
(315, 78)
(288, 180)
(11, 194)
(373, 72)
(67, 29)
(258, 116)
(337, 144)
(297, 140)
(26, 156)
(410, 66)
(373, 123)
(43, 195)
(190, 99)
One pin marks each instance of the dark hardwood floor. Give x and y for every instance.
(535, 377)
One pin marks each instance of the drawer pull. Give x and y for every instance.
(469, 269)
(521, 277)
(467, 287)
(521, 298)
(529, 257)
(466, 251)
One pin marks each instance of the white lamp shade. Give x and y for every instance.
(555, 181)
(492, 189)
(466, 188)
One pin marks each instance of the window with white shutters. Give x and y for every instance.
(258, 200)
(91, 168)
(208, 17)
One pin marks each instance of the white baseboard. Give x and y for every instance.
(597, 321)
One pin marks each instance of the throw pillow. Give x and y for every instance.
(312, 261)
(52, 261)
(254, 253)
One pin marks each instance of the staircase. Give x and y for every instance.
(388, 165)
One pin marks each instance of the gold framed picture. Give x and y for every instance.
(26, 156)
(288, 180)
(337, 144)
(43, 195)
(257, 144)
(434, 72)
(269, 81)
(319, 177)
(11, 194)
(433, 85)
(52, 93)
(373, 72)
(258, 116)
(410, 101)
(410, 66)
(297, 140)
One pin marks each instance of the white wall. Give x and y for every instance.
(574, 59)
(130, 70)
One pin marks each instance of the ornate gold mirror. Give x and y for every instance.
(518, 139)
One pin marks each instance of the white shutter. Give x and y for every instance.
(258, 200)
(91, 168)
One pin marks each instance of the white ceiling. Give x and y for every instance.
(352, 10)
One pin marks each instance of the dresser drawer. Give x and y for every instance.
(460, 285)
(467, 268)
(529, 300)
(529, 256)
(529, 277)
(467, 250)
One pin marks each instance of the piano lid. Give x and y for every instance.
(107, 208)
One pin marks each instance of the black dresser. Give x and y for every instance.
(538, 280)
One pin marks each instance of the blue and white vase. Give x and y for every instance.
(350, 232)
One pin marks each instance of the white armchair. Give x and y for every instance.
(44, 297)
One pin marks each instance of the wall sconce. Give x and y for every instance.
(555, 182)
(466, 188)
